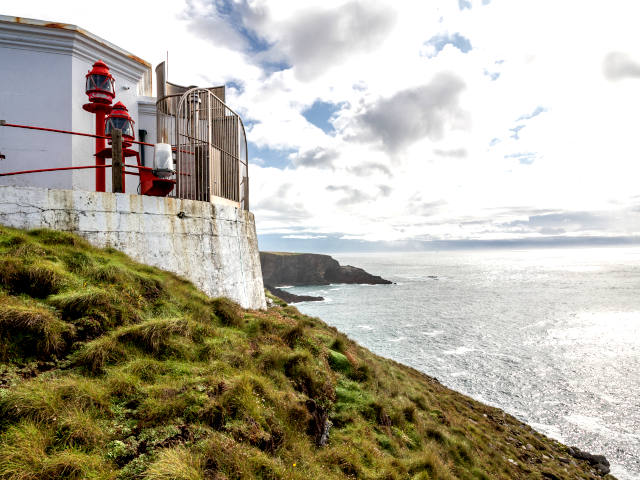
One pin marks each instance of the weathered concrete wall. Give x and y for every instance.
(212, 244)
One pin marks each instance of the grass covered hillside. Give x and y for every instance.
(110, 369)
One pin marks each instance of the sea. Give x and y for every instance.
(552, 336)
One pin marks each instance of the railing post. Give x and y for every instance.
(246, 193)
(117, 177)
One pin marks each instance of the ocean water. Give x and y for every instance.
(550, 336)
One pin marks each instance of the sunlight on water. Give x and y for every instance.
(551, 336)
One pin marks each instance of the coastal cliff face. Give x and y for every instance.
(280, 268)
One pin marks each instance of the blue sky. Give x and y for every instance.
(389, 124)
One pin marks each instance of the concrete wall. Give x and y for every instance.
(212, 244)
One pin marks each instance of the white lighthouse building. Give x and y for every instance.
(42, 83)
(190, 216)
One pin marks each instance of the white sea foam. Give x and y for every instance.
(459, 351)
(433, 333)
(396, 339)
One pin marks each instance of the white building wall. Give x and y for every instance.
(147, 121)
(35, 89)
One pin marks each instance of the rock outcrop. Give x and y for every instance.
(598, 462)
(291, 297)
(279, 268)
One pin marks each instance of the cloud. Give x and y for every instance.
(305, 237)
(562, 222)
(369, 168)
(413, 114)
(618, 65)
(455, 153)
(352, 194)
(311, 40)
(424, 208)
(318, 39)
(230, 23)
(385, 190)
(318, 157)
(281, 204)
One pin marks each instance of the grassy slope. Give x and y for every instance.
(112, 369)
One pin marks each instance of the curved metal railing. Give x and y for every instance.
(210, 146)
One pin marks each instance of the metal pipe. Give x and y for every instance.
(143, 135)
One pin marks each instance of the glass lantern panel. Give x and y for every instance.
(121, 123)
(100, 82)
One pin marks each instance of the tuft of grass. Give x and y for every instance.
(79, 303)
(339, 362)
(178, 463)
(97, 354)
(56, 237)
(30, 330)
(38, 278)
(227, 311)
(157, 336)
(78, 428)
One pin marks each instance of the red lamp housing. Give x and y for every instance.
(100, 86)
(120, 118)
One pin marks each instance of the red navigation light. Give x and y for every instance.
(100, 85)
(120, 118)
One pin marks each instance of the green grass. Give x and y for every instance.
(114, 370)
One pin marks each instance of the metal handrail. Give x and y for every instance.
(70, 132)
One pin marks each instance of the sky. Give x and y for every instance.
(378, 125)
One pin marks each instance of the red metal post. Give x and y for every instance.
(100, 144)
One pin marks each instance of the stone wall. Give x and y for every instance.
(212, 244)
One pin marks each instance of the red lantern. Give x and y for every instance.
(100, 85)
(100, 88)
(120, 118)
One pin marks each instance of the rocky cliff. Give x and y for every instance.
(280, 268)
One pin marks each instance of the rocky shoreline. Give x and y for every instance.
(291, 297)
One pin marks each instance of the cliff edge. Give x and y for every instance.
(280, 268)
